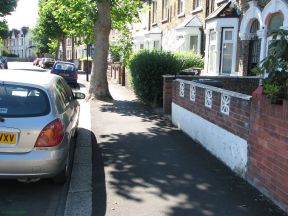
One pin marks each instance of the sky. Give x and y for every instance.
(24, 15)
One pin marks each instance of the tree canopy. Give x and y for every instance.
(89, 21)
(4, 31)
(6, 6)
(47, 31)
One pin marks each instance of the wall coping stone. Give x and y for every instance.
(216, 89)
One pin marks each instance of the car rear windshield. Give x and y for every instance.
(22, 101)
(63, 66)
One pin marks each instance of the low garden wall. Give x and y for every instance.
(268, 149)
(245, 131)
(244, 85)
(214, 117)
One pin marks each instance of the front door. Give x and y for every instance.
(227, 51)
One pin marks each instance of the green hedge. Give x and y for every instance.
(146, 68)
(190, 59)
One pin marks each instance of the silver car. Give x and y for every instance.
(39, 115)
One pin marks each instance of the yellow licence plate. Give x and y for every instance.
(7, 138)
(64, 74)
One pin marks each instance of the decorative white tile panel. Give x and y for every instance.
(225, 104)
(193, 93)
(208, 98)
(182, 89)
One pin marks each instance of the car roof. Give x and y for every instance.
(27, 77)
(65, 62)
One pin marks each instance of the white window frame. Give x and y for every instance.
(154, 12)
(197, 48)
(165, 9)
(181, 7)
(197, 5)
(212, 43)
(156, 44)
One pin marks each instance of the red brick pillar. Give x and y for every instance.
(268, 147)
(167, 93)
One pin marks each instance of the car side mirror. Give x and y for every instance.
(79, 95)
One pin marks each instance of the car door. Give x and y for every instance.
(75, 106)
(67, 110)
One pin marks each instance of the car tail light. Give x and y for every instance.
(75, 76)
(51, 135)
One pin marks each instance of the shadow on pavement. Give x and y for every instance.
(167, 163)
(138, 109)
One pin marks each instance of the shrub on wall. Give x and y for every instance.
(146, 68)
(276, 64)
(190, 59)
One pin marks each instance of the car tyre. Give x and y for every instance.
(62, 177)
(76, 133)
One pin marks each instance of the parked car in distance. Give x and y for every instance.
(40, 62)
(3, 62)
(48, 62)
(38, 120)
(2, 65)
(67, 70)
(36, 61)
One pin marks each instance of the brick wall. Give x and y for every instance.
(237, 122)
(167, 93)
(244, 85)
(268, 164)
(262, 124)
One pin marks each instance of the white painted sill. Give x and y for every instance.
(181, 15)
(196, 10)
(219, 1)
(164, 20)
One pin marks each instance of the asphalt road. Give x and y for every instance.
(36, 198)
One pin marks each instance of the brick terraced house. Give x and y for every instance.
(172, 25)
(20, 43)
(232, 35)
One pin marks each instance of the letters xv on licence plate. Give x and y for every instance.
(64, 74)
(7, 138)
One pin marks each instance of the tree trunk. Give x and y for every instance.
(73, 47)
(64, 48)
(98, 83)
(57, 49)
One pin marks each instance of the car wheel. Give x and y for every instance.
(62, 177)
(76, 133)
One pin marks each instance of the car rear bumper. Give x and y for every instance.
(70, 80)
(35, 164)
